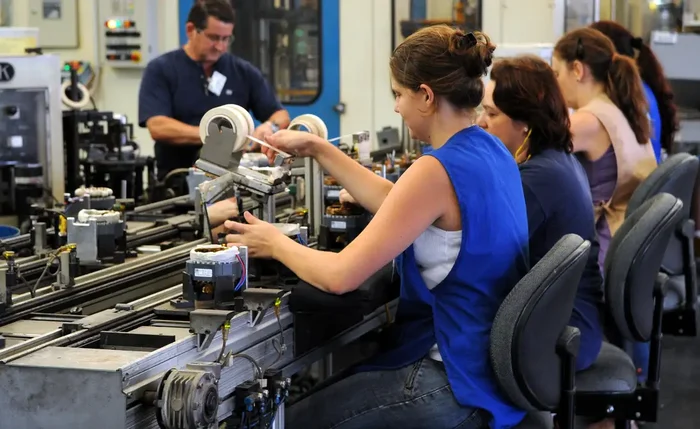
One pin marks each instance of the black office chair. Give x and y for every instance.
(634, 291)
(533, 351)
(676, 176)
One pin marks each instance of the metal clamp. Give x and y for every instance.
(206, 323)
(257, 301)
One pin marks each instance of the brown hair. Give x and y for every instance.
(527, 91)
(651, 72)
(449, 61)
(617, 73)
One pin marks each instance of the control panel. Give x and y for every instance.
(129, 36)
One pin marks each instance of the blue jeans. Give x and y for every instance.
(417, 396)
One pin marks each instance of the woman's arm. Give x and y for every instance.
(584, 127)
(222, 210)
(396, 225)
(368, 189)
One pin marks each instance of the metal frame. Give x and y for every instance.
(44, 72)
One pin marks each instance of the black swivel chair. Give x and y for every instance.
(533, 351)
(634, 291)
(676, 176)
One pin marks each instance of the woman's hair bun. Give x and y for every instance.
(473, 50)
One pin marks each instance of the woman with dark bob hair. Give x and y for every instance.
(524, 108)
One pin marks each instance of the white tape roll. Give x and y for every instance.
(213, 253)
(93, 192)
(246, 115)
(312, 123)
(84, 96)
(229, 115)
(101, 216)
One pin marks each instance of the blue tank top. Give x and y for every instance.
(458, 313)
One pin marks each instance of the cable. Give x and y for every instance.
(301, 240)
(255, 363)
(282, 346)
(224, 338)
(241, 281)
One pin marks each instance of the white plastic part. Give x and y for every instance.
(84, 96)
(101, 216)
(213, 253)
(288, 229)
(94, 192)
(312, 123)
(233, 116)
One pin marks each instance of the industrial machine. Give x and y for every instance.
(31, 159)
(186, 337)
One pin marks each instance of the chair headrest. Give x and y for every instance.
(676, 176)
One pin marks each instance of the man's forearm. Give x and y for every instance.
(171, 130)
(281, 118)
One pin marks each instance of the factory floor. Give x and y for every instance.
(680, 384)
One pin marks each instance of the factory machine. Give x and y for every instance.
(31, 159)
(221, 346)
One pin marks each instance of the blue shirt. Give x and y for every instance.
(655, 118)
(175, 86)
(458, 313)
(559, 202)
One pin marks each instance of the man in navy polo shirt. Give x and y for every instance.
(179, 87)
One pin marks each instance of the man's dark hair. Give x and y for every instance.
(217, 9)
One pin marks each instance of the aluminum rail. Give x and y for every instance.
(99, 283)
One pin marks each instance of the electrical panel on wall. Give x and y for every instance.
(129, 32)
(57, 21)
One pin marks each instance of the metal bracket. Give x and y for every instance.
(206, 323)
(257, 301)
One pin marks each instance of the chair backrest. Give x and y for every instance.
(633, 261)
(676, 176)
(529, 322)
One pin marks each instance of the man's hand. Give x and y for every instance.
(261, 133)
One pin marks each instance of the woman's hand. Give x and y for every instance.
(258, 235)
(345, 197)
(297, 143)
(222, 210)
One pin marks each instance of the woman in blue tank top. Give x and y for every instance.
(525, 109)
(456, 223)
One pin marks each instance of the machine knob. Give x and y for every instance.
(11, 110)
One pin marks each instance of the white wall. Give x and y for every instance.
(365, 48)
(117, 90)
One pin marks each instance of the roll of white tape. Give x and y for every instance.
(93, 192)
(213, 253)
(232, 116)
(101, 216)
(246, 115)
(84, 96)
(312, 123)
